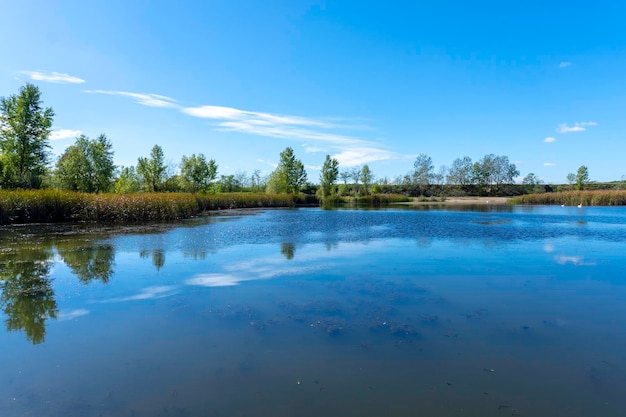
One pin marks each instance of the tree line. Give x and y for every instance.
(88, 166)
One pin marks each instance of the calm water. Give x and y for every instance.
(319, 313)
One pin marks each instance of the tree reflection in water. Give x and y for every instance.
(288, 249)
(158, 257)
(88, 261)
(27, 297)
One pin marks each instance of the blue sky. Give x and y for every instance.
(541, 82)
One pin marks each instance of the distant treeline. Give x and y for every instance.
(88, 166)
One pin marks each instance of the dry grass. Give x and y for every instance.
(48, 206)
(574, 198)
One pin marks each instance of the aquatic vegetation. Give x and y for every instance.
(575, 198)
(49, 206)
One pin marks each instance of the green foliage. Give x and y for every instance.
(289, 176)
(153, 171)
(86, 166)
(460, 172)
(423, 171)
(367, 177)
(24, 130)
(197, 173)
(582, 178)
(328, 176)
(128, 181)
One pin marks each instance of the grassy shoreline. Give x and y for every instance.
(54, 206)
(575, 198)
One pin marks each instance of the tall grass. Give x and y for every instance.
(48, 206)
(378, 200)
(574, 198)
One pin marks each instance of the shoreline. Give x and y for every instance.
(469, 201)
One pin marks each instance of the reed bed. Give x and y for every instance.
(50, 206)
(378, 200)
(574, 198)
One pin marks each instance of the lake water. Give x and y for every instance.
(493, 312)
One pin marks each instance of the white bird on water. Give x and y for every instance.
(580, 205)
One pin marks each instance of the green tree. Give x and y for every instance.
(128, 181)
(328, 175)
(582, 177)
(366, 178)
(460, 172)
(153, 170)
(423, 172)
(87, 165)
(24, 129)
(289, 176)
(197, 173)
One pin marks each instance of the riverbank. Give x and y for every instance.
(54, 206)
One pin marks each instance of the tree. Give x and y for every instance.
(328, 175)
(289, 176)
(366, 178)
(460, 172)
(493, 170)
(87, 165)
(153, 171)
(345, 176)
(24, 130)
(531, 179)
(582, 177)
(423, 172)
(128, 181)
(197, 173)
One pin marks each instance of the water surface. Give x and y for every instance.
(491, 312)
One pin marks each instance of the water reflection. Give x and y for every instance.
(288, 249)
(27, 297)
(88, 261)
(157, 256)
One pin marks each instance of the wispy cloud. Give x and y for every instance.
(151, 100)
(64, 134)
(549, 139)
(564, 64)
(362, 155)
(577, 127)
(313, 149)
(318, 134)
(549, 164)
(53, 77)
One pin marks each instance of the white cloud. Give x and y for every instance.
(577, 127)
(318, 134)
(358, 156)
(564, 64)
(151, 100)
(64, 134)
(549, 139)
(313, 149)
(53, 77)
(549, 164)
